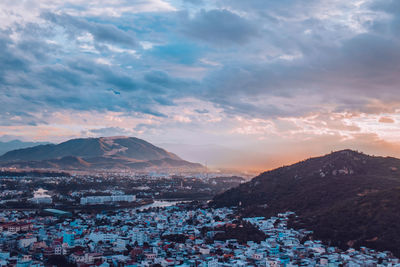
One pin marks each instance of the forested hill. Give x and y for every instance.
(346, 197)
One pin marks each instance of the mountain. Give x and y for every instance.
(347, 198)
(96, 153)
(17, 144)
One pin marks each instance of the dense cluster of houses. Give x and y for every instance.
(170, 236)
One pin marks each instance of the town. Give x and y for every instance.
(37, 190)
(190, 234)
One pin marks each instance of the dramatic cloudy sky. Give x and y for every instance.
(240, 84)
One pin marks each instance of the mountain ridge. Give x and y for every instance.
(94, 153)
(6, 146)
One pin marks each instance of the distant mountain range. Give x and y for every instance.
(347, 198)
(97, 153)
(17, 144)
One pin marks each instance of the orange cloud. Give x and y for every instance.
(386, 120)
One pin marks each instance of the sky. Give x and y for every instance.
(248, 85)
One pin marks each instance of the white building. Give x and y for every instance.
(41, 200)
(26, 242)
(90, 200)
(138, 236)
(96, 237)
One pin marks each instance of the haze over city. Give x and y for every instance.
(247, 85)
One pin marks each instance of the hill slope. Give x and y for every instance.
(346, 197)
(98, 153)
(17, 144)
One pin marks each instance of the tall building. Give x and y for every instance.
(69, 238)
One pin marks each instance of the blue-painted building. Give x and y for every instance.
(69, 238)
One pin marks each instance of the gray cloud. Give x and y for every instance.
(299, 62)
(220, 27)
(194, 2)
(101, 32)
(108, 131)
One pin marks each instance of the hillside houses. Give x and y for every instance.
(171, 236)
